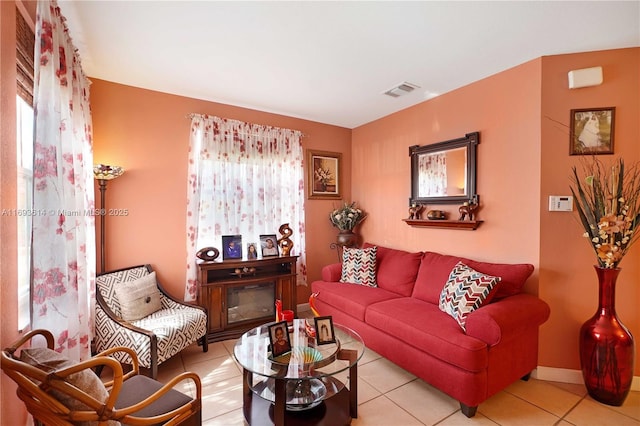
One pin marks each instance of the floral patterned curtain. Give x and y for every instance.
(244, 179)
(63, 234)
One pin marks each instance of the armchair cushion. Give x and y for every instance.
(49, 360)
(138, 298)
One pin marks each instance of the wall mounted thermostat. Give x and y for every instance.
(560, 203)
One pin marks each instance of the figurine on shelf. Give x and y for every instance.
(285, 243)
(467, 209)
(415, 210)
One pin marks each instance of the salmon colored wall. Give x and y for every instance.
(522, 159)
(505, 109)
(147, 133)
(567, 279)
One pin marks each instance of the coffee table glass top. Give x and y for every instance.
(252, 353)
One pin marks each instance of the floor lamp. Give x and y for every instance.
(103, 174)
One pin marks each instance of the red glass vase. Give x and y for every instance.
(606, 346)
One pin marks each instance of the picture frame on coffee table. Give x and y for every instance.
(325, 333)
(279, 339)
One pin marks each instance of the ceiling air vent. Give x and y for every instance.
(401, 89)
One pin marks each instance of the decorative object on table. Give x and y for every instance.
(268, 245)
(312, 304)
(436, 215)
(208, 254)
(591, 131)
(324, 170)
(608, 204)
(414, 211)
(285, 243)
(232, 246)
(104, 173)
(324, 330)
(279, 339)
(278, 310)
(467, 209)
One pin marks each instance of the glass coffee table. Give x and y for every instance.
(300, 387)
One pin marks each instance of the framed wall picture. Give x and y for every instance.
(269, 245)
(592, 131)
(324, 170)
(232, 247)
(324, 330)
(279, 339)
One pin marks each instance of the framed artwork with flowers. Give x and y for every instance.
(324, 170)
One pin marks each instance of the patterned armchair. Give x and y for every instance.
(154, 338)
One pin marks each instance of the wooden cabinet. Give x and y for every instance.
(240, 294)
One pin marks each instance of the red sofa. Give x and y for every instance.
(400, 319)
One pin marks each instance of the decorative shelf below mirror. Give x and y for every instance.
(450, 224)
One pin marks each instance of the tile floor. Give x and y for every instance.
(390, 396)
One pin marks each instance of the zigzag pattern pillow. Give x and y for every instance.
(465, 291)
(359, 266)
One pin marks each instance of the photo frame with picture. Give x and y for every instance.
(269, 245)
(324, 330)
(591, 131)
(324, 169)
(231, 247)
(279, 339)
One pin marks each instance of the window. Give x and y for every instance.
(25, 42)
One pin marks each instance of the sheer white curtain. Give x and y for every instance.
(432, 169)
(244, 179)
(63, 234)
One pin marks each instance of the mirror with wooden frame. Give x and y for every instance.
(444, 172)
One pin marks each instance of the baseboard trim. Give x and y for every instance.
(565, 375)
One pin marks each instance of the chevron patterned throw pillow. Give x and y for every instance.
(359, 266)
(465, 291)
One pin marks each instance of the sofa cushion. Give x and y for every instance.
(435, 268)
(352, 299)
(428, 329)
(465, 291)
(139, 298)
(359, 266)
(396, 269)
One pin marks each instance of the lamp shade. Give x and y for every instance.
(106, 172)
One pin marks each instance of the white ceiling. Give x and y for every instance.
(331, 61)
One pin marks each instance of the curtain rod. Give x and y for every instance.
(193, 114)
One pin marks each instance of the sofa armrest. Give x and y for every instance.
(507, 317)
(332, 273)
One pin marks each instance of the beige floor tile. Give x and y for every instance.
(545, 395)
(459, 419)
(366, 392)
(215, 370)
(578, 389)
(229, 345)
(423, 401)
(384, 375)
(234, 418)
(506, 409)
(221, 397)
(383, 412)
(193, 353)
(592, 413)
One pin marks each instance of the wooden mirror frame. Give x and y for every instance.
(470, 141)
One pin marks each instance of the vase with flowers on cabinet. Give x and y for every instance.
(608, 204)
